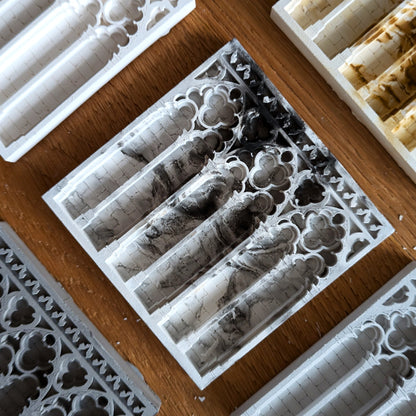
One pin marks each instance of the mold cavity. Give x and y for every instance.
(287, 157)
(309, 192)
(148, 190)
(16, 15)
(102, 401)
(128, 159)
(245, 271)
(217, 111)
(50, 339)
(176, 218)
(158, 15)
(403, 334)
(235, 94)
(120, 9)
(38, 354)
(23, 390)
(210, 242)
(330, 258)
(5, 360)
(73, 376)
(270, 172)
(308, 12)
(357, 247)
(278, 196)
(338, 219)
(281, 287)
(88, 406)
(19, 312)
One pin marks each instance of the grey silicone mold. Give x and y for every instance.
(53, 362)
(364, 366)
(218, 213)
(55, 54)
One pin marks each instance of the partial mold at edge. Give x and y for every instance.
(218, 214)
(366, 50)
(53, 361)
(54, 55)
(364, 366)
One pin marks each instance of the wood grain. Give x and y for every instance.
(143, 82)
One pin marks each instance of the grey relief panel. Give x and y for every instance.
(55, 54)
(53, 362)
(218, 213)
(363, 367)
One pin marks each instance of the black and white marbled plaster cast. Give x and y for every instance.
(218, 213)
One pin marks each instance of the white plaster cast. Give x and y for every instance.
(365, 366)
(55, 54)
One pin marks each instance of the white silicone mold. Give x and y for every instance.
(218, 213)
(366, 51)
(363, 367)
(54, 54)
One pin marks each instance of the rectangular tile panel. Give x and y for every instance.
(366, 50)
(55, 54)
(53, 361)
(365, 366)
(218, 213)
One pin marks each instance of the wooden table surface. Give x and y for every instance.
(149, 77)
